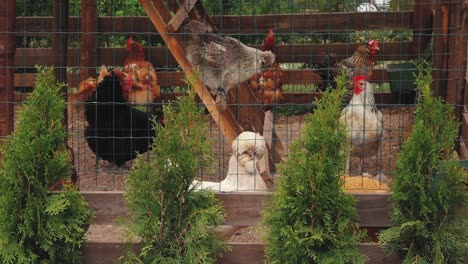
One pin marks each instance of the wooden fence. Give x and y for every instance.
(242, 209)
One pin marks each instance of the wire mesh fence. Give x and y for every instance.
(305, 33)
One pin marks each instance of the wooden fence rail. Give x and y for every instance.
(282, 23)
(242, 209)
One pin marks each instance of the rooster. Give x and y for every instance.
(363, 121)
(139, 80)
(116, 131)
(267, 84)
(224, 62)
(360, 63)
(243, 173)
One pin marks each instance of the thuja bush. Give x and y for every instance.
(428, 186)
(37, 225)
(311, 219)
(174, 221)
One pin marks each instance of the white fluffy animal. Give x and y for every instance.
(243, 173)
(364, 122)
(224, 62)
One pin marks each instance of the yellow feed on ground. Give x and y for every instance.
(364, 184)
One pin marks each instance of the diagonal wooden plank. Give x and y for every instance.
(225, 120)
(181, 15)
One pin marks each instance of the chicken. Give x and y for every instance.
(116, 131)
(363, 121)
(224, 62)
(243, 173)
(360, 63)
(139, 80)
(268, 84)
(88, 86)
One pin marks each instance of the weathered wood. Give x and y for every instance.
(439, 49)
(181, 15)
(59, 40)
(96, 252)
(456, 55)
(242, 208)
(165, 79)
(88, 61)
(60, 47)
(162, 58)
(226, 122)
(253, 24)
(7, 62)
(422, 26)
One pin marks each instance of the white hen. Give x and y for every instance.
(363, 122)
(243, 173)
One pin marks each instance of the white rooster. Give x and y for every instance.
(243, 173)
(363, 122)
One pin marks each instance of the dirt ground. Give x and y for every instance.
(99, 175)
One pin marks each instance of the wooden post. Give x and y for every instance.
(439, 49)
(422, 26)
(59, 40)
(7, 64)
(59, 61)
(456, 55)
(60, 46)
(88, 59)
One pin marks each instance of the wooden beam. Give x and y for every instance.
(162, 58)
(439, 49)
(252, 24)
(59, 40)
(457, 56)
(224, 119)
(242, 208)
(422, 26)
(165, 79)
(181, 15)
(99, 252)
(88, 61)
(7, 62)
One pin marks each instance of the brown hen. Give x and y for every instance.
(267, 84)
(139, 80)
(360, 63)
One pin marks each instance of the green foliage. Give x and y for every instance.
(36, 225)
(174, 221)
(428, 186)
(311, 218)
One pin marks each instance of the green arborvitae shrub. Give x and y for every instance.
(423, 199)
(174, 221)
(36, 225)
(311, 219)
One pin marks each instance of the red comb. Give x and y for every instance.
(373, 43)
(129, 40)
(359, 78)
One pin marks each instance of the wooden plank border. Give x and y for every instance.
(96, 252)
(242, 208)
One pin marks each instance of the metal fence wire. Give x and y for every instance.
(109, 110)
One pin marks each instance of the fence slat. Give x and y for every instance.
(162, 58)
(95, 252)
(282, 23)
(242, 208)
